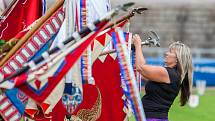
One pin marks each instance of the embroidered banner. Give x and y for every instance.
(50, 77)
(99, 43)
(90, 108)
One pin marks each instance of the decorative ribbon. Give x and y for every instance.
(128, 75)
(137, 74)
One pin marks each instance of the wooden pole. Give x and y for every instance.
(126, 17)
(131, 14)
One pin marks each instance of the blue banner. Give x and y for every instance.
(204, 69)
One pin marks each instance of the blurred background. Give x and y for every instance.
(189, 21)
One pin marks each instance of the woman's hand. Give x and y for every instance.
(136, 40)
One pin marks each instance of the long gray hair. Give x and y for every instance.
(185, 68)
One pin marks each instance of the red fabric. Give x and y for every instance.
(20, 34)
(22, 15)
(107, 78)
(59, 112)
(90, 95)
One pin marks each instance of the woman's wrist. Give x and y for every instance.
(138, 46)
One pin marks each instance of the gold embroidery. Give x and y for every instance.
(90, 114)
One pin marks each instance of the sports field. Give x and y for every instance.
(204, 112)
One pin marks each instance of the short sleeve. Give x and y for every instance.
(173, 74)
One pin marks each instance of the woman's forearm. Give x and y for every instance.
(140, 60)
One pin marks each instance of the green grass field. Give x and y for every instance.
(204, 112)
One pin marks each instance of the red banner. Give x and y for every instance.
(22, 14)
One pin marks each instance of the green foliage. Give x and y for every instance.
(2, 42)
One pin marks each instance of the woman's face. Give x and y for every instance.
(170, 58)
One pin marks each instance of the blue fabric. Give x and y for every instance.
(44, 48)
(13, 96)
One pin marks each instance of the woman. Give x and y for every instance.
(164, 83)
